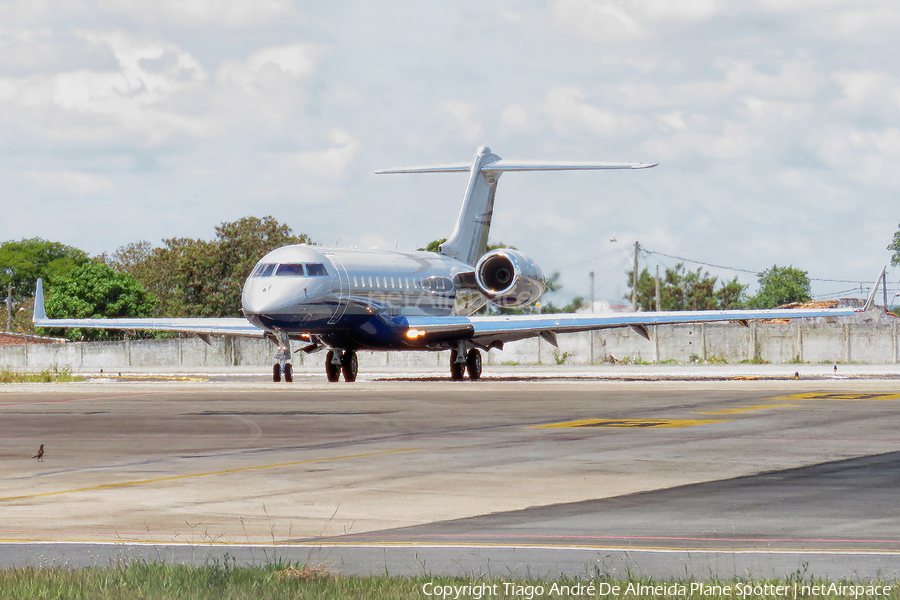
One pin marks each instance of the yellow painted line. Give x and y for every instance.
(840, 396)
(630, 423)
(731, 411)
(208, 474)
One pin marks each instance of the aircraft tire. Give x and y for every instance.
(350, 366)
(276, 373)
(457, 369)
(473, 364)
(332, 371)
(288, 373)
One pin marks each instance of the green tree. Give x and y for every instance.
(23, 261)
(781, 285)
(200, 278)
(895, 246)
(433, 245)
(95, 291)
(680, 289)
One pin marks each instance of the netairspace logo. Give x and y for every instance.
(506, 589)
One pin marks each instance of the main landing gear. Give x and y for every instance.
(462, 362)
(339, 361)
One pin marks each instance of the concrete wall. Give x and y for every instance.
(814, 342)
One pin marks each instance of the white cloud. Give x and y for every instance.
(866, 89)
(463, 118)
(267, 88)
(68, 182)
(571, 116)
(313, 176)
(620, 20)
(193, 13)
(797, 78)
(142, 98)
(514, 118)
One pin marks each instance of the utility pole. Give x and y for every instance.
(884, 288)
(657, 289)
(9, 306)
(634, 279)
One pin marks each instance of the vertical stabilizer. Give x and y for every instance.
(469, 238)
(39, 313)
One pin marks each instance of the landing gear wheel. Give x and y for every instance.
(349, 366)
(473, 364)
(276, 373)
(456, 368)
(288, 373)
(332, 371)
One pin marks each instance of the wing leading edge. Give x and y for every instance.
(490, 329)
(199, 326)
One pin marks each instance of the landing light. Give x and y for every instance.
(414, 333)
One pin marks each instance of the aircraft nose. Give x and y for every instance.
(274, 297)
(262, 299)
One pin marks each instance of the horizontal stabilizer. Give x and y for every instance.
(501, 166)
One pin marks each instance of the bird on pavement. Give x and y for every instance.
(40, 455)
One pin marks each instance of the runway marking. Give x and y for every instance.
(839, 396)
(630, 423)
(747, 409)
(207, 474)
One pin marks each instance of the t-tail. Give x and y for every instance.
(468, 241)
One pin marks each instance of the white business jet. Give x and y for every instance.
(344, 300)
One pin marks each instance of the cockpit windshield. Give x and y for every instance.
(290, 270)
(264, 270)
(316, 270)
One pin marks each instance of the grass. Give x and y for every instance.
(52, 375)
(153, 581)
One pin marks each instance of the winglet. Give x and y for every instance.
(39, 313)
(871, 299)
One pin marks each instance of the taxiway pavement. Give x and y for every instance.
(512, 476)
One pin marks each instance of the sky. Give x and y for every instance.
(774, 123)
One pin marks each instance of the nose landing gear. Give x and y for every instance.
(282, 355)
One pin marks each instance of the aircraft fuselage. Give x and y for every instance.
(353, 298)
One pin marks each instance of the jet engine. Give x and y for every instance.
(508, 278)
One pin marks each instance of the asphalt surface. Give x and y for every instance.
(737, 475)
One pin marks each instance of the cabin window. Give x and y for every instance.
(264, 270)
(316, 270)
(436, 284)
(289, 270)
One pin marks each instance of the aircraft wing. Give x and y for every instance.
(198, 326)
(491, 330)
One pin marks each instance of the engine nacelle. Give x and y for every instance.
(508, 278)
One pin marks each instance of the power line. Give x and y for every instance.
(706, 264)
